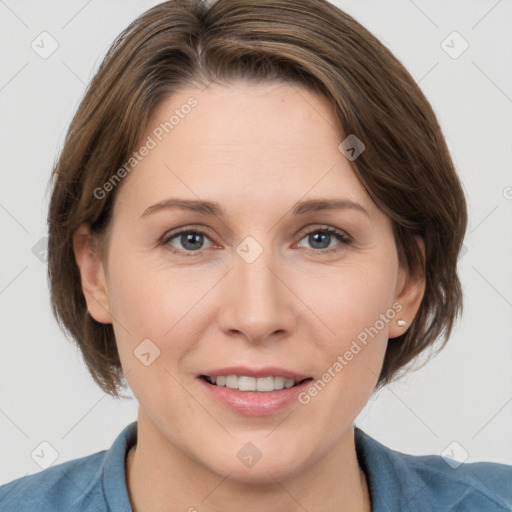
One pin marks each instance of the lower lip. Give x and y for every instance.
(254, 403)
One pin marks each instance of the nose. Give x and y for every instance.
(257, 303)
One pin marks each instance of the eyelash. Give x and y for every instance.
(343, 237)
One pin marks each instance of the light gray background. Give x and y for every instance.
(464, 395)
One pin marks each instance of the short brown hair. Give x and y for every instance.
(406, 167)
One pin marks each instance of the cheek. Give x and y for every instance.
(150, 300)
(355, 308)
(148, 297)
(151, 313)
(350, 298)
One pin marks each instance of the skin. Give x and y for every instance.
(256, 149)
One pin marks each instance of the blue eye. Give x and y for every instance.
(320, 239)
(192, 241)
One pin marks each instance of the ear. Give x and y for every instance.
(409, 294)
(92, 275)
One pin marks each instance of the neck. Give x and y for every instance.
(162, 477)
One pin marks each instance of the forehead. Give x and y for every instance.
(243, 142)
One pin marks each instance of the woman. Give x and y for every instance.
(255, 223)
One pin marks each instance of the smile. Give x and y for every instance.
(246, 383)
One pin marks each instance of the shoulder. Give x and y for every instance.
(433, 482)
(66, 486)
(469, 486)
(95, 483)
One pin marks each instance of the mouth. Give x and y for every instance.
(245, 383)
(250, 391)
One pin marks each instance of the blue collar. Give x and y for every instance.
(396, 481)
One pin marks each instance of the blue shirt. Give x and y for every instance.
(397, 482)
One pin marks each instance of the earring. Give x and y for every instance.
(401, 323)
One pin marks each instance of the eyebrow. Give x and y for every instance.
(215, 209)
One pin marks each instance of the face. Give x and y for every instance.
(224, 259)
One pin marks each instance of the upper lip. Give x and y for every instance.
(267, 371)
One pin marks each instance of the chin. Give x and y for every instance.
(250, 465)
(261, 474)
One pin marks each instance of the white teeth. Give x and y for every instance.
(278, 383)
(246, 383)
(232, 381)
(263, 384)
(288, 383)
(243, 383)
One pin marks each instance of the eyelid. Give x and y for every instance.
(183, 229)
(344, 237)
(306, 230)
